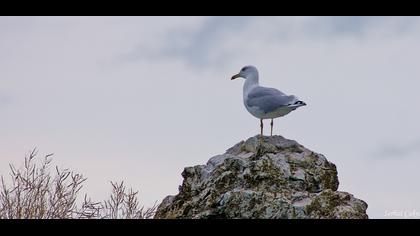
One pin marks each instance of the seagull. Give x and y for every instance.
(263, 102)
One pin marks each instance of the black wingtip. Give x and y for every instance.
(300, 103)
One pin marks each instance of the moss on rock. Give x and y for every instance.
(262, 177)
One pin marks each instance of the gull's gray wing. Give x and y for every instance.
(268, 99)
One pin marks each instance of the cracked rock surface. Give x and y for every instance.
(268, 177)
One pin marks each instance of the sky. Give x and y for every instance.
(140, 98)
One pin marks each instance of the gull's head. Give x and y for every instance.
(246, 73)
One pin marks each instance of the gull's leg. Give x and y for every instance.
(271, 127)
(261, 125)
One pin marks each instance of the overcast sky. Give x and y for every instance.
(140, 98)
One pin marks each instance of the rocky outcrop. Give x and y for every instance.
(268, 177)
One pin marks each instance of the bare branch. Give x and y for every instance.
(35, 192)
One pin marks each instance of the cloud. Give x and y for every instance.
(5, 99)
(337, 26)
(215, 40)
(197, 46)
(397, 150)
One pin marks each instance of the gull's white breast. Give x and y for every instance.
(260, 114)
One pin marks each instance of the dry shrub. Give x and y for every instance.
(36, 193)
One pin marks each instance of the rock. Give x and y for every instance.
(272, 177)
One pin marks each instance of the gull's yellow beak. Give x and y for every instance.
(235, 76)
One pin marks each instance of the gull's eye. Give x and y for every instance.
(243, 69)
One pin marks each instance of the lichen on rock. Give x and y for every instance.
(262, 177)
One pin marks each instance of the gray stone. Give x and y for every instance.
(268, 177)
